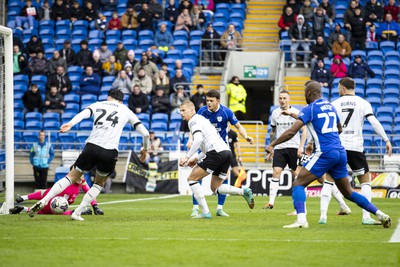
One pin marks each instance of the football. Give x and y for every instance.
(59, 205)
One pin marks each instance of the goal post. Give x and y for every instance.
(7, 116)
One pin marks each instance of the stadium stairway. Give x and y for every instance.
(295, 85)
(261, 31)
(208, 81)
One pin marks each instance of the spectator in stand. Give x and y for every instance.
(360, 69)
(131, 58)
(123, 83)
(58, 11)
(89, 82)
(156, 9)
(17, 41)
(237, 97)
(163, 39)
(68, 53)
(153, 57)
(333, 36)
(45, 11)
(38, 65)
(211, 44)
(136, 4)
(97, 64)
(319, 51)
(144, 81)
(28, 13)
(205, 5)
(392, 9)
(150, 68)
(109, 5)
(61, 80)
(374, 11)
(184, 22)
(128, 70)
(33, 46)
(288, 18)
(322, 75)
(160, 102)
(145, 18)
(358, 28)
(185, 4)
(56, 61)
(319, 19)
(231, 40)
(20, 61)
(371, 34)
(138, 102)
(307, 11)
(129, 20)
(348, 16)
(300, 33)
(199, 98)
(178, 64)
(111, 67)
(171, 12)
(198, 17)
(120, 53)
(115, 22)
(329, 9)
(178, 97)
(155, 149)
(161, 81)
(90, 12)
(54, 101)
(164, 67)
(76, 12)
(294, 5)
(105, 53)
(178, 79)
(84, 56)
(338, 68)
(389, 29)
(341, 47)
(32, 100)
(101, 22)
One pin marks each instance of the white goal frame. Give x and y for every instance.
(9, 118)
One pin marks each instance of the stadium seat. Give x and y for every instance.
(130, 44)
(79, 34)
(159, 126)
(386, 121)
(379, 145)
(368, 142)
(33, 116)
(108, 80)
(361, 53)
(196, 35)
(391, 83)
(175, 119)
(174, 54)
(33, 125)
(51, 126)
(371, 46)
(94, 44)
(159, 117)
(392, 74)
(397, 112)
(81, 25)
(359, 92)
(113, 34)
(387, 46)
(189, 64)
(195, 45)
(220, 27)
(81, 139)
(124, 141)
(392, 55)
(67, 140)
(367, 129)
(167, 23)
(391, 92)
(223, 8)
(384, 112)
(112, 43)
(67, 116)
(51, 116)
(60, 173)
(63, 24)
(46, 33)
(396, 144)
(181, 35)
(171, 142)
(40, 80)
(375, 64)
(18, 107)
(143, 117)
(136, 140)
(391, 102)
(63, 34)
(396, 130)
(88, 99)
(146, 35)
(236, 17)
(71, 107)
(129, 34)
(96, 34)
(21, 79)
(192, 54)
(374, 101)
(146, 44)
(392, 65)
(19, 124)
(374, 92)
(220, 17)
(375, 55)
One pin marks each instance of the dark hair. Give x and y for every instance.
(213, 93)
(199, 86)
(348, 83)
(34, 85)
(233, 78)
(116, 94)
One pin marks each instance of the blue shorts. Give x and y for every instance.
(333, 162)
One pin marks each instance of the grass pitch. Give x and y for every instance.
(156, 230)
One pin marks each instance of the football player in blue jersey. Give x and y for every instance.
(329, 156)
(219, 116)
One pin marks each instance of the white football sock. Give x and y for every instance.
(93, 192)
(225, 189)
(219, 207)
(56, 189)
(301, 218)
(326, 195)
(196, 207)
(339, 197)
(273, 190)
(199, 196)
(366, 191)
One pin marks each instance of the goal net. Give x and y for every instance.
(6, 121)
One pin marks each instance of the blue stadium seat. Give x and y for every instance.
(81, 25)
(130, 44)
(124, 141)
(75, 70)
(19, 88)
(392, 65)
(60, 173)
(48, 43)
(40, 80)
(396, 130)
(220, 17)
(368, 144)
(223, 7)
(361, 53)
(59, 44)
(166, 22)
(96, 34)
(397, 112)
(238, 8)
(375, 64)
(391, 93)
(62, 25)
(195, 45)
(129, 34)
(143, 117)
(374, 101)
(392, 55)
(136, 140)
(392, 74)
(379, 145)
(88, 99)
(236, 17)
(21, 79)
(81, 139)
(192, 54)
(384, 112)
(67, 140)
(375, 55)
(46, 24)
(46, 33)
(63, 34)
(371, 46)
(72, 107)
(51, 126)
(367, 129)
(146, 44)
(396, 144)
(175, 118)
(174, 53)
(396, 121)
(196, 35)
(51, 116)
(359, 92)
(159, 126)
(114, 34)
(180, 45)
(391, 102)
(387, 46)
(239, 26)
(181, 35)
(33, 125)
(18, 107)
(67, 116)
(220, 27)
(189, 64)
(159, 117)
(33, 116)
(108, 80)
(19, 124)
(127, 127)
(94, 44)
(359, 82)
(146, 35)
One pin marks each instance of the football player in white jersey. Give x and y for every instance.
(352, 111)
(288, 152)
(215, 158)
(101, 147)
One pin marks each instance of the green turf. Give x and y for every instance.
(160, 232)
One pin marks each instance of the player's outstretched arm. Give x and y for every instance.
(287, 135)
(65, 127)
(243, 133)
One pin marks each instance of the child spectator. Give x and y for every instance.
(338, 68)
(29, 14)
(114, 23)
(101, 22)
(111, 67)
(371, 34)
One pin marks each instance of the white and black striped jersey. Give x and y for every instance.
(109, 119)
(283, 123)
(211, 138)
(352, 111)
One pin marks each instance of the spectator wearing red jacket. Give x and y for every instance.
(392, 9)
(287, 19)
(114, 23)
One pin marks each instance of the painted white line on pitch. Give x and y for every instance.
(133, 200)
(261, 240)
(62, 238)
(396, 235)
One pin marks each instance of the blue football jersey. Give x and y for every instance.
(321, 120)
(219, 119)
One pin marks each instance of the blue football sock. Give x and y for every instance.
(221, 198)
(363, 202)
(299, 198)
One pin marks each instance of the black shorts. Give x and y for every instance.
(234, 162)
(285, 156)
(357, 162)
(216, 163)
(93, 155)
